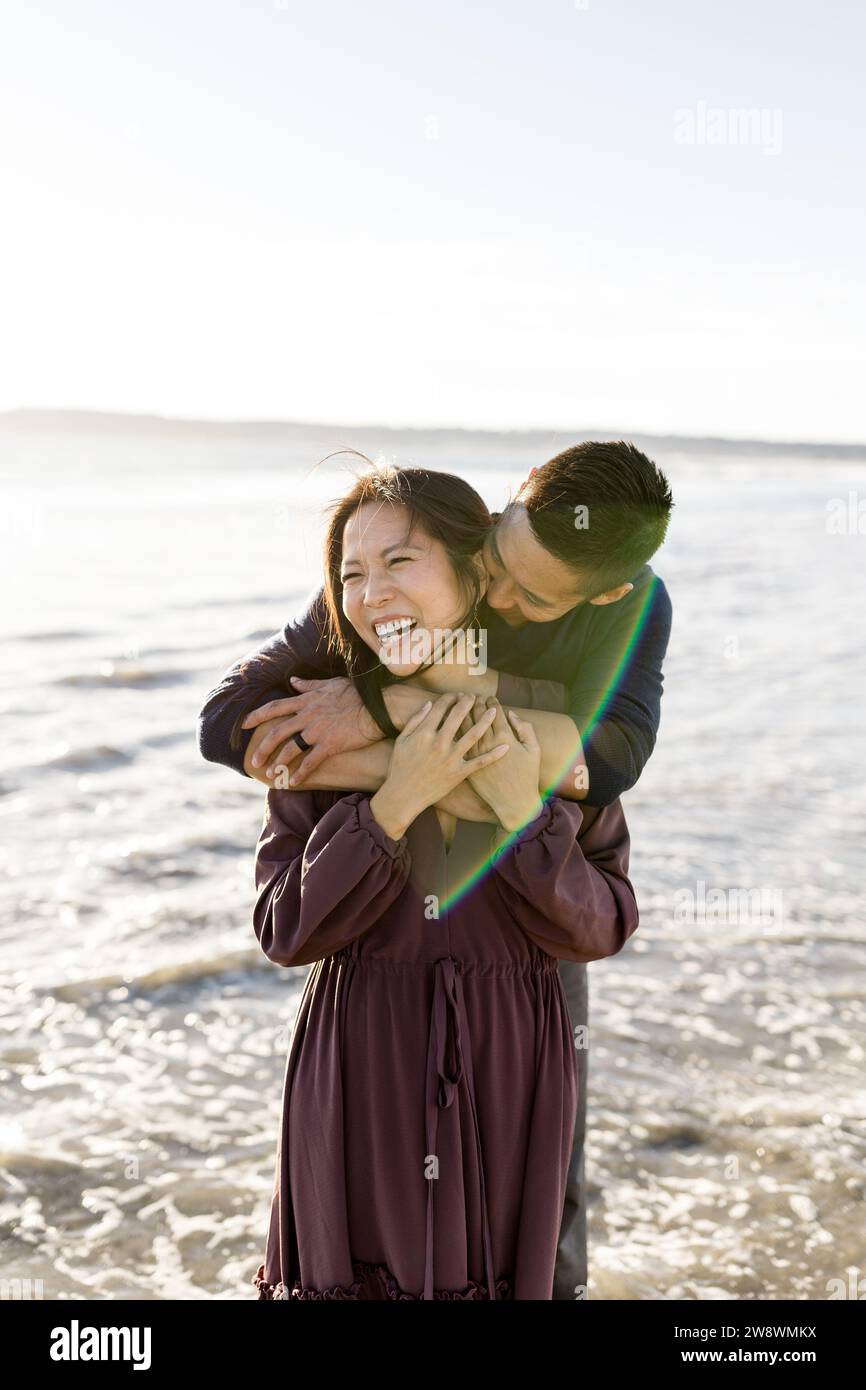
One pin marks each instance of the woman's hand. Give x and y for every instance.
(429, 759)
(465, 803)
(509, 785)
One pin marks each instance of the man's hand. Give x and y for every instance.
(329, 714)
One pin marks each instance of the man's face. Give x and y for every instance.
(527, 583)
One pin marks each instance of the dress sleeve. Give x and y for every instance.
(564, 880)
(322, 879)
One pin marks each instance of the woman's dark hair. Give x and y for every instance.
(443, 507)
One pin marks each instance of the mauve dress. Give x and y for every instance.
(430, 1089)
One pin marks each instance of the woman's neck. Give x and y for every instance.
(447, 824)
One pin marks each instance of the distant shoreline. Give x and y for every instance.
(543, 442)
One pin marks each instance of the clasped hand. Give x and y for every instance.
(432, 756)
(510, 784)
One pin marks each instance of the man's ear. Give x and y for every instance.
(613, 595)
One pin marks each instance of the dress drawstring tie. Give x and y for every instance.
(449, 1060)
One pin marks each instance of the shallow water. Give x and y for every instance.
(142, 1032)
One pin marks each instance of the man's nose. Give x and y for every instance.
(499, 593)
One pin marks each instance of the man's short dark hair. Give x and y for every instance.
(602, 508)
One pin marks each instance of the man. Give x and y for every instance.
(577, 624)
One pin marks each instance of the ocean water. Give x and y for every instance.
(142, 1032)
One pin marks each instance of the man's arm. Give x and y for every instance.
(365, 769)
(220, 712)
(301, 649)
(300, 646)
(615, 696)
(527, 692)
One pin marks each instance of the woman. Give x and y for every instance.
(431, 1086)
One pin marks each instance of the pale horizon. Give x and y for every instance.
(66, 416)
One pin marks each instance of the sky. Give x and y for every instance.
(504, 215)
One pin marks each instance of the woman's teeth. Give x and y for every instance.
(396, 625)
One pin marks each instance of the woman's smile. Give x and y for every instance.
(389, 627)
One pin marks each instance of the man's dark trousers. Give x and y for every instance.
(570, 1274)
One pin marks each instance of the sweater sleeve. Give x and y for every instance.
(299, 646)
(322, 879)
(566, 885)
(528, 692)
(615, 695)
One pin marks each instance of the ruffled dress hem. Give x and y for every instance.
(367, 1276)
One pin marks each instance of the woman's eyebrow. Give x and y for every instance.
(399, 545)
(402, 545)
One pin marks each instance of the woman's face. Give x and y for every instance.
(389, 575)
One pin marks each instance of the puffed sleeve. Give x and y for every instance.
(322, 878)
(564, 880)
